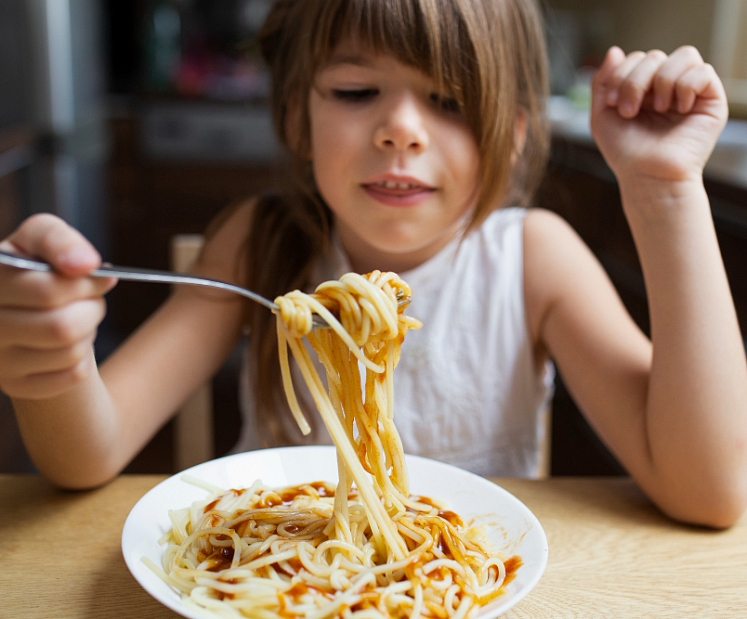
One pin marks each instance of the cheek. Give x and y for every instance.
(321, 150)
(328, 167)
(329, 140)
(327, 153)
(335, 154)
(463, 159)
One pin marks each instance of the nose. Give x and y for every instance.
(402, 127)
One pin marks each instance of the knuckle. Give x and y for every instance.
(78, 372)
(75, 322)
(690, 51)
(63, 329)
(656, 54)
(79, 351)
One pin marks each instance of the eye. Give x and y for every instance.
(447, 104)
(355, 95)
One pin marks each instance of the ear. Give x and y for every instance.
(520, 135)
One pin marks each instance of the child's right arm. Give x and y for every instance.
(82, 424)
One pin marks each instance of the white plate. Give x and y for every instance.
(510, 527)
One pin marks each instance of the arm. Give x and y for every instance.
(84, 433)
(673, 410)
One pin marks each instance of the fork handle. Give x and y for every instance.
(169, 277)
(140, 275)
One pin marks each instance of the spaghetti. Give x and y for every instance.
(365, 548)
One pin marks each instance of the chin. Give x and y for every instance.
(393, 248)
(399, 246)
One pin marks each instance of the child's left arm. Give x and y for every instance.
(675, 410)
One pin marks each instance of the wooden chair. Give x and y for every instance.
(193, 424)
(546, 447)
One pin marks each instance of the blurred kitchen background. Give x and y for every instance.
(139, 120)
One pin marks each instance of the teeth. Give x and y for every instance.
(394, 185)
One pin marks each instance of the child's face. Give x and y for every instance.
(393, 158)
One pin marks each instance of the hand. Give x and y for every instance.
(655, 116)
(48, 321)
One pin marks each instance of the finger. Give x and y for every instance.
(52, 329)
(686, 54)
(679, 62)
(34, 290)
(700, 81)
(638, 82)
(49, 385)
(50, 238)
(618, 75)
(614, 57)
(18, 362)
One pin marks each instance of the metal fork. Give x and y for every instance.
(156, 276)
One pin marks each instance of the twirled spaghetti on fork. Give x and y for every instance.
(365, 548)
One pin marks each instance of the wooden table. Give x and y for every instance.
(611, 554)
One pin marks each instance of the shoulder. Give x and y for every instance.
(545, 232)
(551, 245)
(555, 261)
(224, 252)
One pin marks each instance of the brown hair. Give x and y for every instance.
(488, 54)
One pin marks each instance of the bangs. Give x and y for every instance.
(429, 35)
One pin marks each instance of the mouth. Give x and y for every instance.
(398, 192)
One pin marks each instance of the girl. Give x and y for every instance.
(409, 124)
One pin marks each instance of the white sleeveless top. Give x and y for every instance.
(466, 388)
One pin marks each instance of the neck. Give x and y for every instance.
(365, 258)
